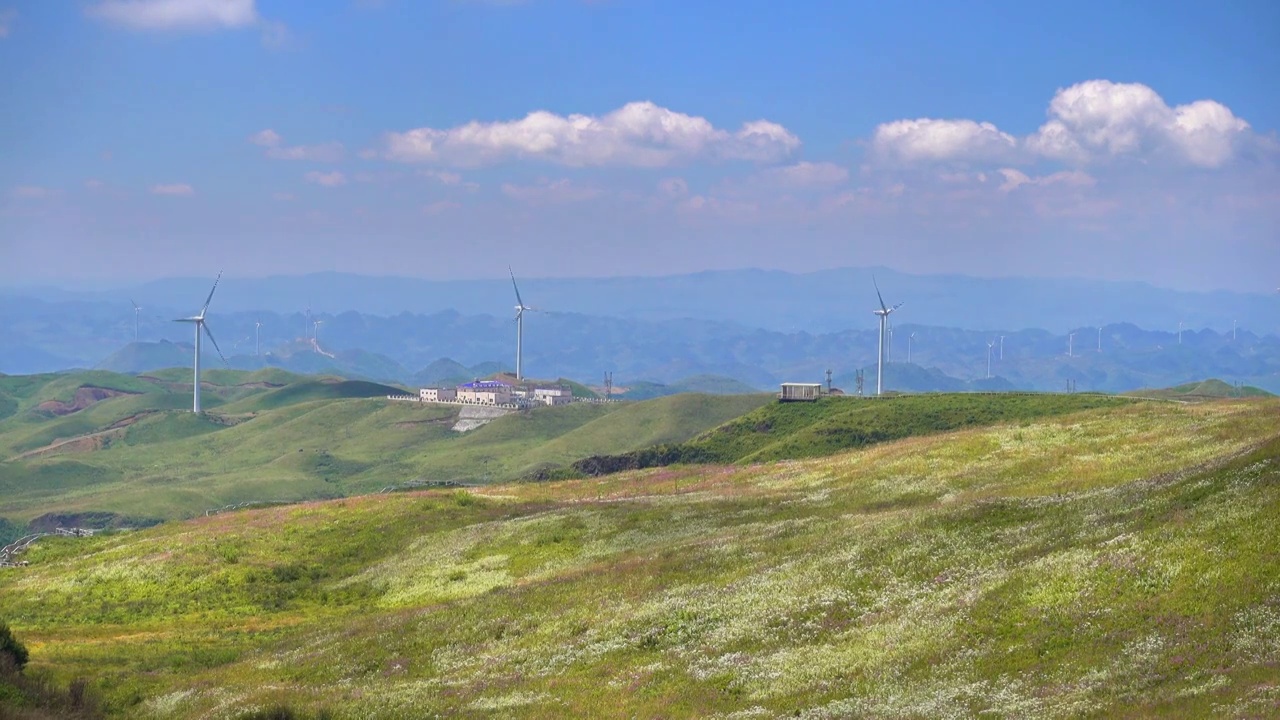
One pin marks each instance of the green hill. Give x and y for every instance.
(273, 436)
(1212, 389)
(779, 431)
(1115, 562)
(708, 384)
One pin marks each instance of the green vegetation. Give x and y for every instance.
(271, 436)
(1212, 389)
(781, 431)
(1111, 562)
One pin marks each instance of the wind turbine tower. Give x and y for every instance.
(520, 308)
(316, 333)
(199, 322)
(990, 348)
(883, 314)
(1179, 333)
(257, 344)
(1233, 330)
(1099, 338)
(136, 310)
(1071, 340)
(910, 340)
(1002, 347)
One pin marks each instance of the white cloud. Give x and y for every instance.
(177, 14)
(33, 192)
(546, 191)
(174, 189)
(276, 150)
(673, 187)
(7, 16)
(806, 174)
(329, 179)
(926, 139)
(1099, 118)
(1088, 122)
(1069, 178)
(266, 138)
(443, 176)
(93, 184)
(639, 134)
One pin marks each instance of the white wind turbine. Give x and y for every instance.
(199, 322)
(991, 346)
(910, 340)
(315, 333)
(257, 346)
(136, 310)
(1071, 341)
(520, 308)
(883, 314)
(1002, 347)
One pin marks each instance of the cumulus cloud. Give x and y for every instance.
(277, 150)
(174, 189)
(639, 134)
(549, 192)
(329, 179)
(7, 17)
(1088, 122)
(1100, 118)
(177, 14)
(926, 139)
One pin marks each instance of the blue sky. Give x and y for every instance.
(145, 138)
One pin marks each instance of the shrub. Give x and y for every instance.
(12, 646)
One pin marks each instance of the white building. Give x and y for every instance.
(553, 395)
(438, 394)
(792, 392)
(485, 392)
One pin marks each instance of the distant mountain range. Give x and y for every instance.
(825, 301)
(417, 349)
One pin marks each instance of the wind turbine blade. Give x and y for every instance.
(209, 332)
(895, 307)
(134, 304)
(211, 291)
(878, 295)
(517, 287)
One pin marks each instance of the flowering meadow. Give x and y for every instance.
(1118, 562)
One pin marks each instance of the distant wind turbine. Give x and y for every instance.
(990, 348)
(315, 334)
(1099, 338)
(199, 322)
(257, 346)
(1233, 330)
(1179, 333)
(1002, 347)
(136, 310)
(1071, 339)
(883, 314)
(910, 339)
(520, 308)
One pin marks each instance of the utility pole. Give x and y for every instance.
(608, 385)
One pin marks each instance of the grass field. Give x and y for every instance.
(1112, 562)
(272, 436)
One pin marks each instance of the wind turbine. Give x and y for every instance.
(883, 313)
(520, 308)
(990, 347)
(199, 322)
(1071, 340)
(136, 310)
(1179, 333)
(1002, 347)
(257, 324)
(1233, 330)
(315, 334)
(1099, 338)
(910, 339)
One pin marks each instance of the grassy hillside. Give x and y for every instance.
(144, 455)
(779, 431)
(1113, 563)
(1212, 389)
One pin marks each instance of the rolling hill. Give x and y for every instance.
(129, 446)
(1113, 562)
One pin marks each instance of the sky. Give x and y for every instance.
(449, 139)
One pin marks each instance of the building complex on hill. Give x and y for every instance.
(498, 394)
